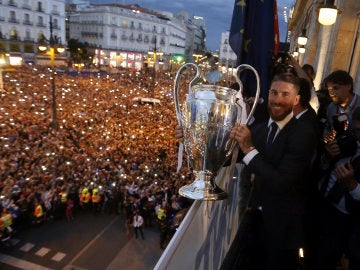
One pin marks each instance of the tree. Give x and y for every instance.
(79, 52)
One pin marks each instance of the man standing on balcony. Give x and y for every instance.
(278, 154)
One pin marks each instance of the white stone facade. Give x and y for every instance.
(23, 22)
(125, 34)
(227, 57)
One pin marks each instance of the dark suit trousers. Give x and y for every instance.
(333, 238)
(354, 247)
(263, 255)
(136, 229)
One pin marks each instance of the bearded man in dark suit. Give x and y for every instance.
(280, 166)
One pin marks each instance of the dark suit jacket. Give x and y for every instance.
(310, 117)
(280, 188)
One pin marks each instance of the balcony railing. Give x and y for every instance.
(27, 22)
(12, 3)
(41, 24)
(13, 20)
(15, 38)
(28, 7)
(28, 39)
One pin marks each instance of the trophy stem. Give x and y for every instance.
(203, 188)
(212, 192)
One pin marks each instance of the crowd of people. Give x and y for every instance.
(103, 141)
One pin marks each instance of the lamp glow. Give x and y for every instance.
(302, 40)
(60, 49)
(42, 48)
(302, 49)
(327, 16)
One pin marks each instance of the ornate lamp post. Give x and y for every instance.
(155, 52)
(2, 64)
(53, 44)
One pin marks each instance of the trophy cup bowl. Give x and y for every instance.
(207, 122)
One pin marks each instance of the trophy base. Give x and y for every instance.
(203, 190)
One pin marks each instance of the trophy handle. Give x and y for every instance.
(176, 86)
(237, 72)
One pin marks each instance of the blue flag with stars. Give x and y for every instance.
(254, 39)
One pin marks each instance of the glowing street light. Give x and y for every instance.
(328, 13)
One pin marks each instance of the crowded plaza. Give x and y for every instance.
(109, 151)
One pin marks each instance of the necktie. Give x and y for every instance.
(273, 130)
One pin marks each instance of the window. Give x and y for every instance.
(13, 34)
(40, 21)
(39, 6)
(131, 38)
(55, 9)
(113, 34)
(139, 39)
(12, 15)
(41, 37)
(124, 23)
(123, 36)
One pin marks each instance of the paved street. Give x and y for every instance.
(88, 242)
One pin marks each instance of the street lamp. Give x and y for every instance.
(2, 64)
(53, 44)
(197, 56)
(302, 49)
(302, 39)
(328, 13)
(154, 53)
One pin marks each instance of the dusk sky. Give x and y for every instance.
(216, 13)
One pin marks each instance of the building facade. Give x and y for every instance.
(227, 57)
(130, 36)
(329, 47)
(119, 35)
(26, 23)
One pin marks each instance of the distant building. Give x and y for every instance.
(227, 57)
(23, 24)
(133, 37)
(119, 35)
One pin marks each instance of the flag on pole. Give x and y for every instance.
(254, 37)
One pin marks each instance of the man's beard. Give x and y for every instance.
(281, 116)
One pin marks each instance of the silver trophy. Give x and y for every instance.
(207, 117)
